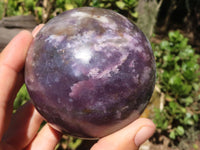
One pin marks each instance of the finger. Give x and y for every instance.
(24, 125)
(4, 146)
(12, 60)
(14, 54)
(128, 138)
(47, 139)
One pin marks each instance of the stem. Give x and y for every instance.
(5, 8)
(159, 4)
(47, 7)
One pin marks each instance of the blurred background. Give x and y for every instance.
(173, 28)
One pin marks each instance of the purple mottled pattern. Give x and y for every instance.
(90, 72)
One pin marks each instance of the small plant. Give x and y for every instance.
(178, 78)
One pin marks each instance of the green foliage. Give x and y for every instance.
(178, 77)
(74, 143)
(161, 119)
(125, 7)
(54, 7)
(17, 7)
(21, 98)
(178, 63)
(1, 9)
(178, 131)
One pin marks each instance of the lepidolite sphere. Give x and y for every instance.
(90, 72)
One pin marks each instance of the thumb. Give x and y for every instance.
(128, 138)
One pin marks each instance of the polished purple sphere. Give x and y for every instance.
(90, 72)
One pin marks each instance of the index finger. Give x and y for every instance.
(12, 60)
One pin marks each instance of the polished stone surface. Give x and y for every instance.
(90, 72)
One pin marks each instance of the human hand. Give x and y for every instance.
(20, 131)
(128, 138)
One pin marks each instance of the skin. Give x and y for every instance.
(19, 131)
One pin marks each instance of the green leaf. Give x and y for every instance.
(69, 6)
(195, 146)
(175, 81)
(183, 43)
(180, 130)
(185, 89)
(164, 45)
(189, 100)
(172, 135)
(189, 69)
(196, 86)
(169, 98)
(160, 119)
(165, 76)
(186, 53)
(196, 117)
(134, 14)
(168, 58)
(74, 143)
(175, 36)
(173, 107)
(39, 9)
(188, 120)
(95, 3)
(131, 2)
(21, 98)
(120, 4)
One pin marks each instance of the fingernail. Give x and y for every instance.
(143, 134)
(35, 30)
